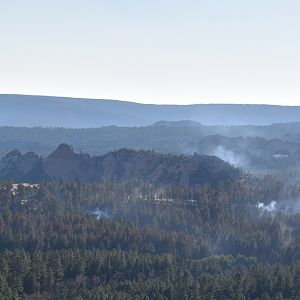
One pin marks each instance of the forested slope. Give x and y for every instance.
(131, 240)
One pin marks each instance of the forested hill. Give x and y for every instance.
(65, 164)
(176, 137)
(22, 110)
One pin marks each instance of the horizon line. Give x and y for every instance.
(142, 103)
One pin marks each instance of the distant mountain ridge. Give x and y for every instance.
(177, 124)
(65, 164)
(176, 137)
(29, 111)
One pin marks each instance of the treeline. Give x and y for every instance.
(163, 138)
(100, 274)
(98, 141)
(134, 240)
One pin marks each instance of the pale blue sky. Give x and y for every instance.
(159, 51)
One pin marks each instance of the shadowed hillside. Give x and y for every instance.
(64, 164)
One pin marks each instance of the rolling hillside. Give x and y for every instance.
(28, 111)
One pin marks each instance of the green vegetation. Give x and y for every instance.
(135, 240)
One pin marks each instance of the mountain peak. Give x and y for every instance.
(63, 151)
(13, 153)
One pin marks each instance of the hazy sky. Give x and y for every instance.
(154, 51)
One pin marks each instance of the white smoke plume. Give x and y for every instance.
(229, 156)
(289, 207)
(271, 207)
(98, 213)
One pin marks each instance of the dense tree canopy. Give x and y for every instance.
(135, 240)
